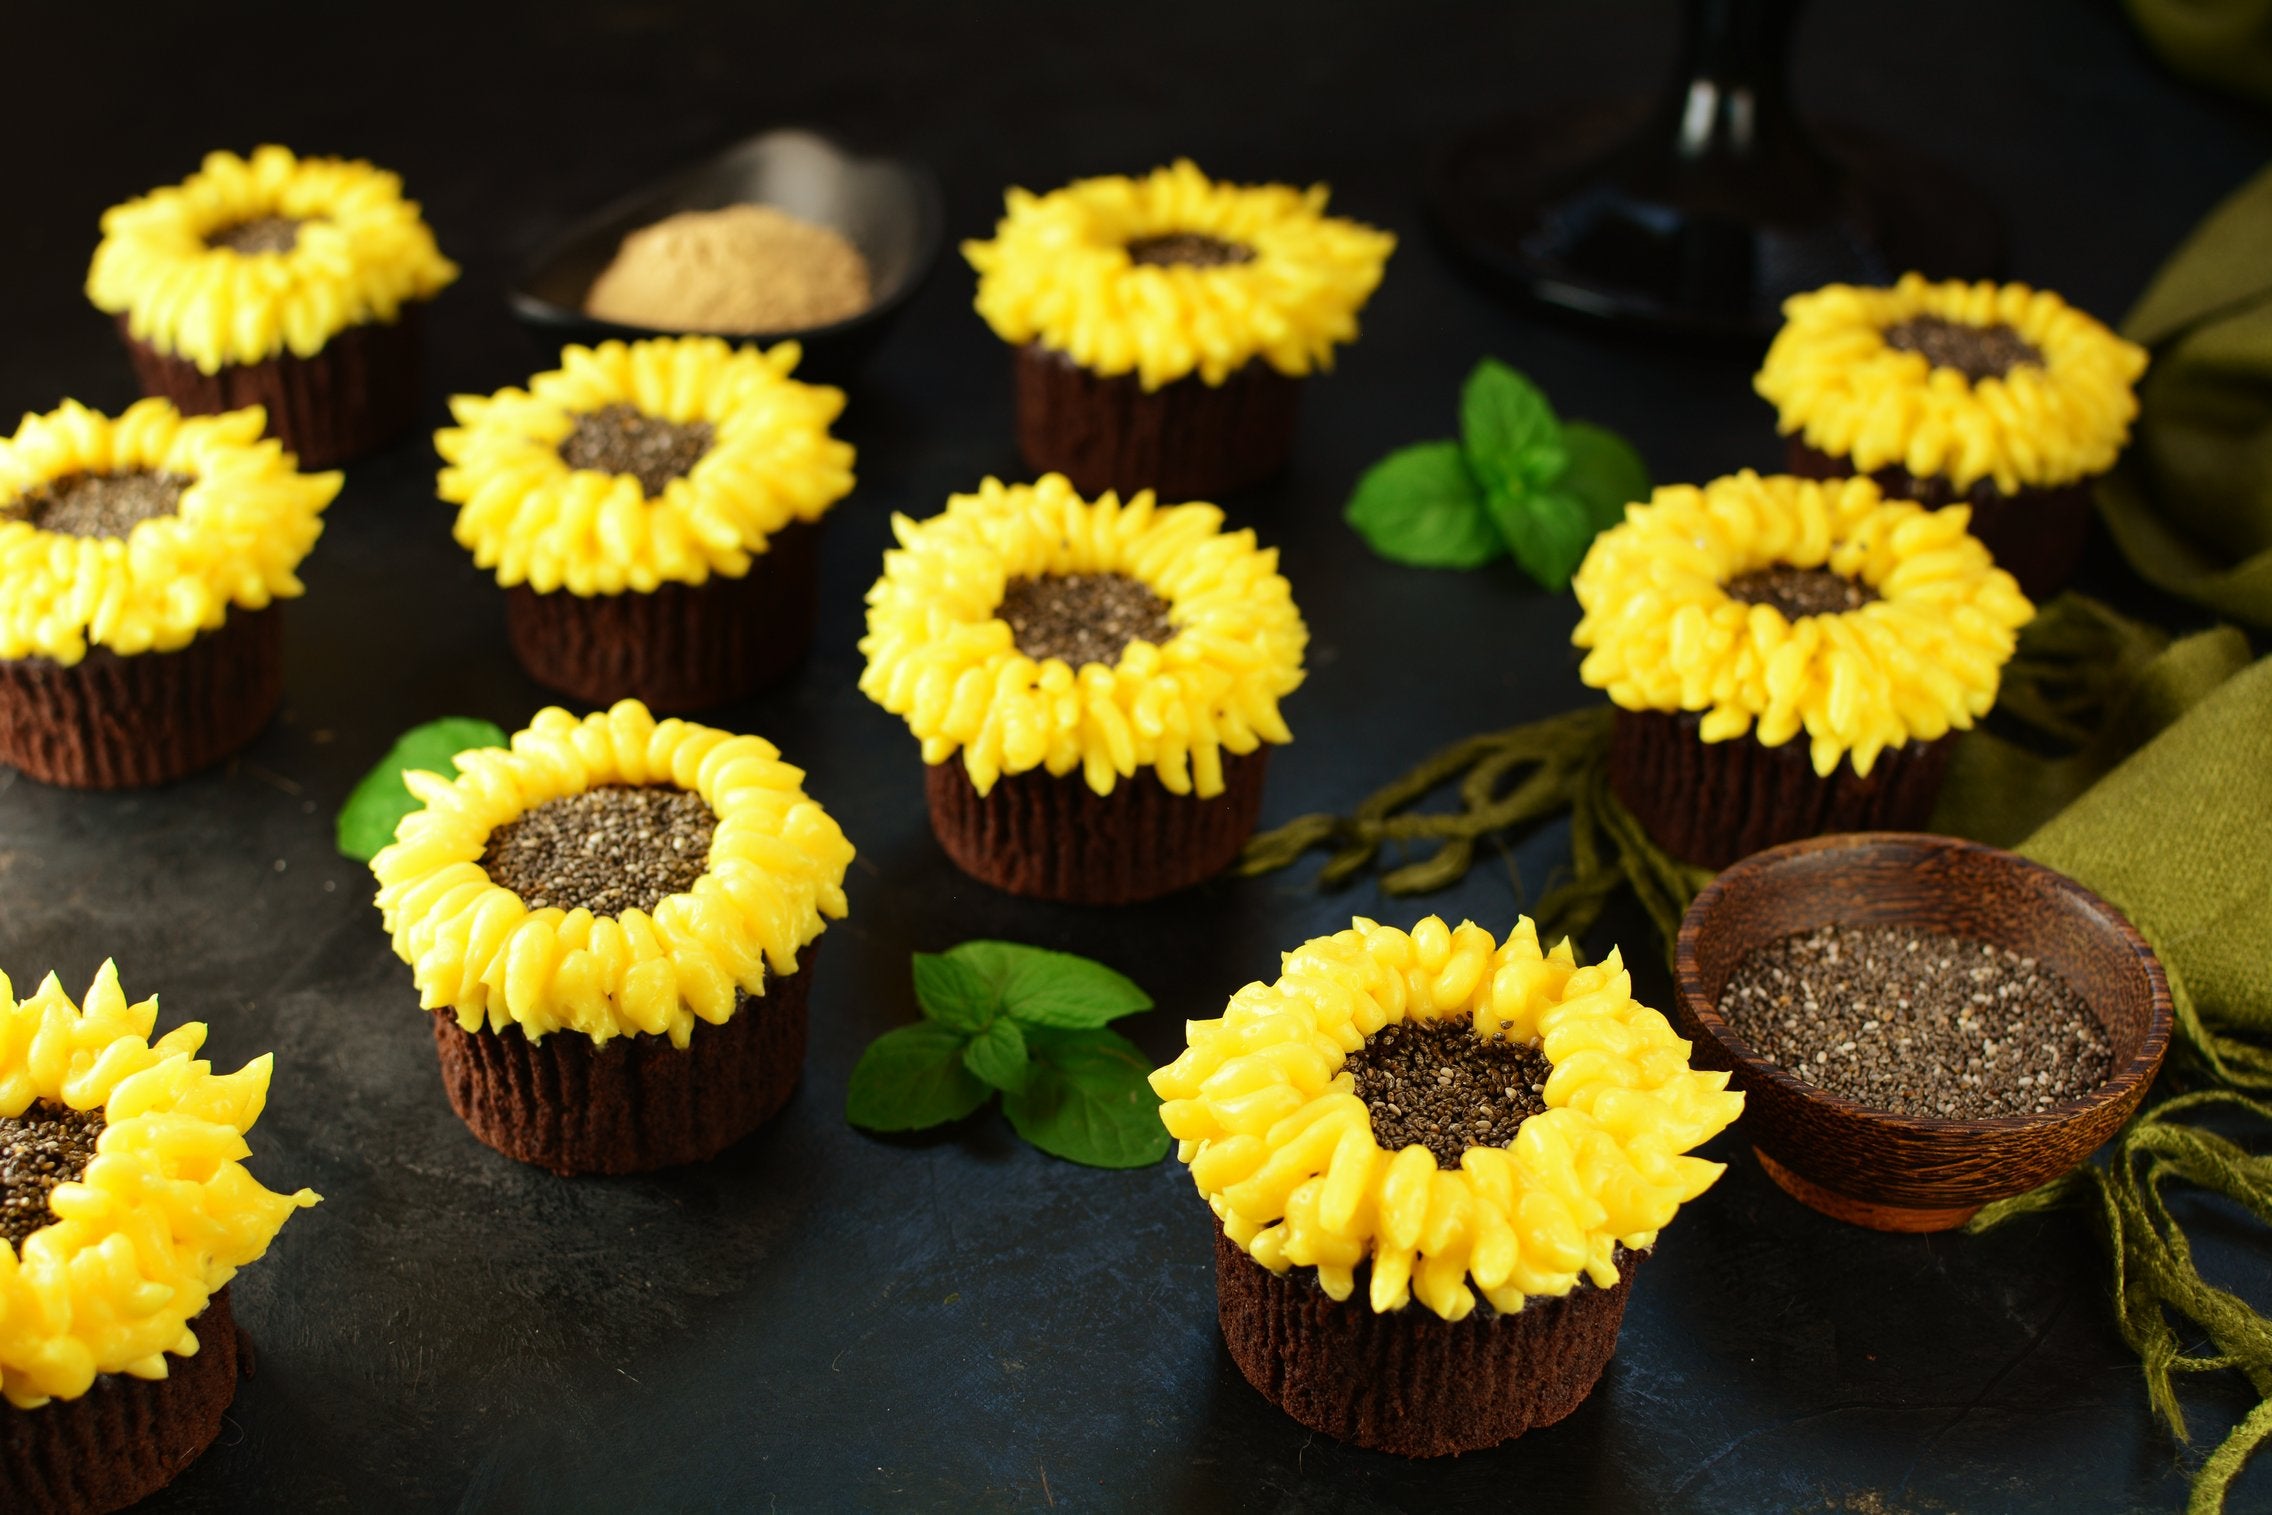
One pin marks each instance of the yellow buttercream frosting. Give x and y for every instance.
(165, 1213)
(536, 521)
(1059, 272)
(244, 522)
(775, 869)
(1834, 380)
(939, 655)
(1281, 1145)
(360, 255)
(1921, 659)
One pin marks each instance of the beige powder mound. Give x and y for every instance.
(747, 268)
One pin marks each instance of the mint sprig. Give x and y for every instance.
(1519, 480)
(1030, 1024)
(380, 800)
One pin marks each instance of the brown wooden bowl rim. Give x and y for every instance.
(2124, 1084)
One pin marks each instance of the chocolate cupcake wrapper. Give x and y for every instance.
(1710, 803)
(357, 393)
(1411, 1382)
(111, 721)
(1057, 839)
(125, 1438)
(2037, 535)
(634, 1103)
(1189, 440)
(679, 647)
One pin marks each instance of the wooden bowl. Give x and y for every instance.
(1907, 1172)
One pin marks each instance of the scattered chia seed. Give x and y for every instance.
(1447, 1089)
(262, 234)
(99, 504)
(1977, 352)
(624, 439)
(1083, 617)
(48, 1144)
(1800, 591)
(616, 848)
(1188, 250)
(1917, 1022)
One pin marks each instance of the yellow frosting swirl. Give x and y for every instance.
(940, 656)
(1058, 272)
(1832, 378)
(362, 253)
(525, 513)
(1282, 1146)
(237, 537)
(776, 867)
(165, 1213)
(1921, 659)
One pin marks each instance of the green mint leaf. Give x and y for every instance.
(1044, 988)
(379, 802)
(1547, 530)
(911, 1078)
(998, 1055)
(1087, 1100)
(1602, 471)
(1507, 429)
(1420, 506)
(954, 993)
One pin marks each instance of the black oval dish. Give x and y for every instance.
(888, 208)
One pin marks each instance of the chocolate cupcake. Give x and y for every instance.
(1726, 622)
(1162, 325)
(613, 926)
(140, 561)
(2000, 397)
(652, 511)
(293, 284)
(1107, 674)
(114, 1147)
(1433, 1162)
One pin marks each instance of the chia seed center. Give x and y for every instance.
(1184, 249)
(624, 439)
(611, 849)
(1083, 617)
(1445, 1088)
(48, 1144)
(1977, 352)
(1800, 592)
(99, 504)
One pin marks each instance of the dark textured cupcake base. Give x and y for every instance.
(116, 722)
(359, 391)
(1411, 1382)
(125, 1438)
(2037, 535)
(1709, 803)
(680, 646)
(1058, 839)
(1189, 440)
(634, 1103)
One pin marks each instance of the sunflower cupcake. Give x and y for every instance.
(294, 284)
(1108, 676)
(140, 559)
(613, 925)
(1434, 1161)
(652, 511)
(1730, 621)
(125, 1209)
(2001, 397)
(1161, 324)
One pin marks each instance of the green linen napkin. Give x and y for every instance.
(2190, 504)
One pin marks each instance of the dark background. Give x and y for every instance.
(822, 1320)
